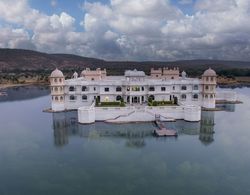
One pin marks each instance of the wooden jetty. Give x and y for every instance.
(162, 131)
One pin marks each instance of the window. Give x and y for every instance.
(56, 98)
(211, 96)
(84, 97)
(94, 88)
(55, 80)
(207, 79)
(163, 88)
(118, 88)
(106, 89)
(183, 96)
(142, 88)
(206, 87)
(72, 97)
(172, 77)
(173, 87)
(61, 98)
(195, 87)
(118, 98)
(151, 88)
(56, 89)
(183, 87)
(71, 88)
(195, 96)
(84, 88)
(212, 78)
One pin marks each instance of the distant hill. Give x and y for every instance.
(27, 60)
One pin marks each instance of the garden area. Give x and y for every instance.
(110, 104)
(152, 102)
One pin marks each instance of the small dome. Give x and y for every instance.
(57, 73)
(183, 74)
(209, 72)
(75, 75)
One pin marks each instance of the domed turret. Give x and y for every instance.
(183, 74)
(209, 88)
(209, 73)
(75, 75)
(57, 90)
(56, 73)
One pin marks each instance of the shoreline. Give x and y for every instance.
(5, 86)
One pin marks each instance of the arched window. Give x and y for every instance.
(84, 97)
(118, 88)
(92, 79)
(72, 97)
(61, 98)
(211, 96)
(151, 88)
(142, 88)
(56, 89)
(195, 96)
(71, 88)
(195, 87)
(84, 88)
(183, 87)
(206, 87)
(56, 98)
(118, 98)
(55, 80)
(152, 97)
(173, 87)
(183, 96)
(60, 80)
(172, 77)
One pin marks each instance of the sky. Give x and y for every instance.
(129, 29)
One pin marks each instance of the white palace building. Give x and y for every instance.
(135, 89)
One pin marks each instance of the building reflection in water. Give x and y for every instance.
(65, 125)
(207, 127)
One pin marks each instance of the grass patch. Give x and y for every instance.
(161, 103)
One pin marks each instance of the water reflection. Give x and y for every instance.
(65, 125)
(24, 92)
(206, 135)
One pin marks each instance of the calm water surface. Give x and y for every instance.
(42, 153)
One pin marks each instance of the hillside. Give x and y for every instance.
(18, 60)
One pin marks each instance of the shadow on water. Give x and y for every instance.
(65, 125)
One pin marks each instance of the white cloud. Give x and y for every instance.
(133, 29)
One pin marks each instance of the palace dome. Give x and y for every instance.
(134, 73)
(57, 73)
(209, 72)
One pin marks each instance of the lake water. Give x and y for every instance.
(44, 153)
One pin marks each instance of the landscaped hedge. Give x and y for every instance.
(160, 103)
(110, 104)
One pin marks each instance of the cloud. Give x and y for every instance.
(133, 29)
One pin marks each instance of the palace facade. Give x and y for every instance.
(134, 88)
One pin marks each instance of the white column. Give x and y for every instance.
(130, 99)
(140, 99)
